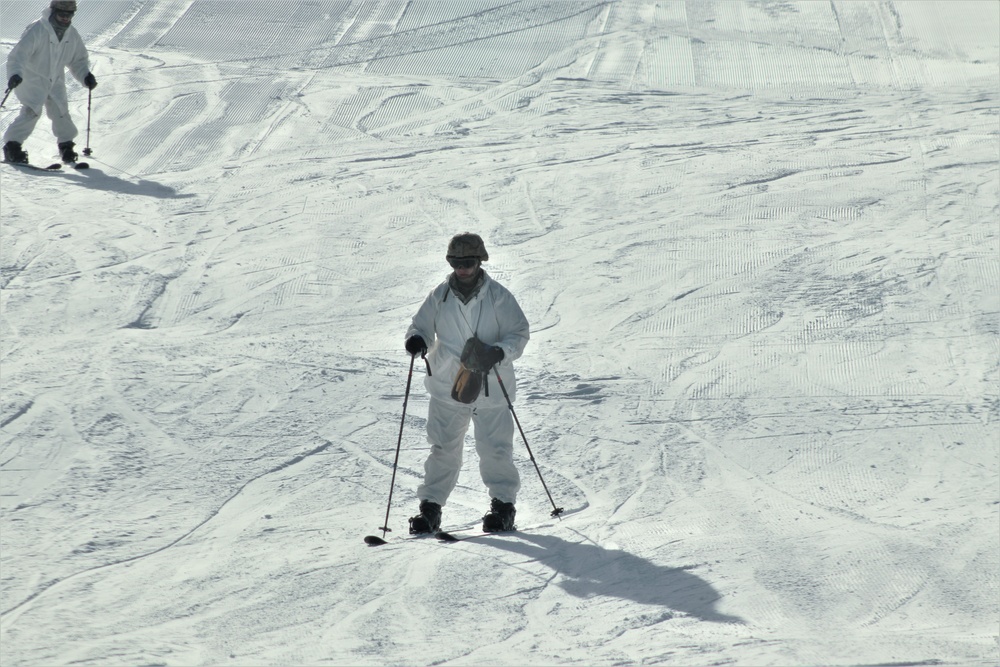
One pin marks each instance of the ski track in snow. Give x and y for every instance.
(757, 243)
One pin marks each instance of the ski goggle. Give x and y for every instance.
(65, 13)
(462, 262)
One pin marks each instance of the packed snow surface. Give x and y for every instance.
(757, 243)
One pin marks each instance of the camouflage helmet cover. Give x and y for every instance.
(63, 5)
(467, 244)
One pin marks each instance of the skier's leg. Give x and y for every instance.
(447, 424)
(494, 432)
(23, 125)
(63, 126)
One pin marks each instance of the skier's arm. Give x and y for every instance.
(79, 66)
(22, 53)
(423, 322)
(515, 330)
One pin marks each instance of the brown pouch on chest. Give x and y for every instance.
(469, 380)
(468, 384)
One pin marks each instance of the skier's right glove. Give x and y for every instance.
(14, 82)
(90, 81)
(415, 345)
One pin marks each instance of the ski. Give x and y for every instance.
(441, 536)
(52, 167)
(447, 537)
(79, 165)
(376, 541)
(444, 536)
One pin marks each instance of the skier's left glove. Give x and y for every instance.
(491, 356)
(89, 81)
(480, 356)
(14, 82)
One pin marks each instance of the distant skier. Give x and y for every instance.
(472, 325)
(37, 70)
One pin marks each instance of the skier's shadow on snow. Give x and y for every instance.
(98, 180)
(590, 571)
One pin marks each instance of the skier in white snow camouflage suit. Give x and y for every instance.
(469, 304)
(36, 68)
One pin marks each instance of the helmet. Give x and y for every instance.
(467, 244)
(63, 5)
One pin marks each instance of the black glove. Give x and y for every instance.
(415, 345)
(14, 82)
(480, 356)
(491, 356)
(89, 81)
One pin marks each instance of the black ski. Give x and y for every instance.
(448, 537)
(78, 165)
(443, 536)
(52, 167)
(376, 541)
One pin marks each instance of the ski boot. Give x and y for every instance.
(67, 153)
(12, 152)
(500, 518)
(429, 519)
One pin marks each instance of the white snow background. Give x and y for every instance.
(757, 243)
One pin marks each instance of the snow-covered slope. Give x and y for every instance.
(758, 246)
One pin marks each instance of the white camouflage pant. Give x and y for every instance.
(62, 125)
(447, 424)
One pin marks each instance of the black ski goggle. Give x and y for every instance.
(65, 13)
(462, 262)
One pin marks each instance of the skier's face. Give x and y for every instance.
(465, 269)
(63, 17)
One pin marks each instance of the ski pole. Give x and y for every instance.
(6, 94)
(556, 511)
(90, 94)
(373, 539)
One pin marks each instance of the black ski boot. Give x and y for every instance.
(500, 518)
(12, 152)
(429, 519)
(66, 151)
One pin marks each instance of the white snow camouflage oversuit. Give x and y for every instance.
(41, 59)
(445, 323)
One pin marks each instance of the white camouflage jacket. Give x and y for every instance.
(41, 60)
(445, 323)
